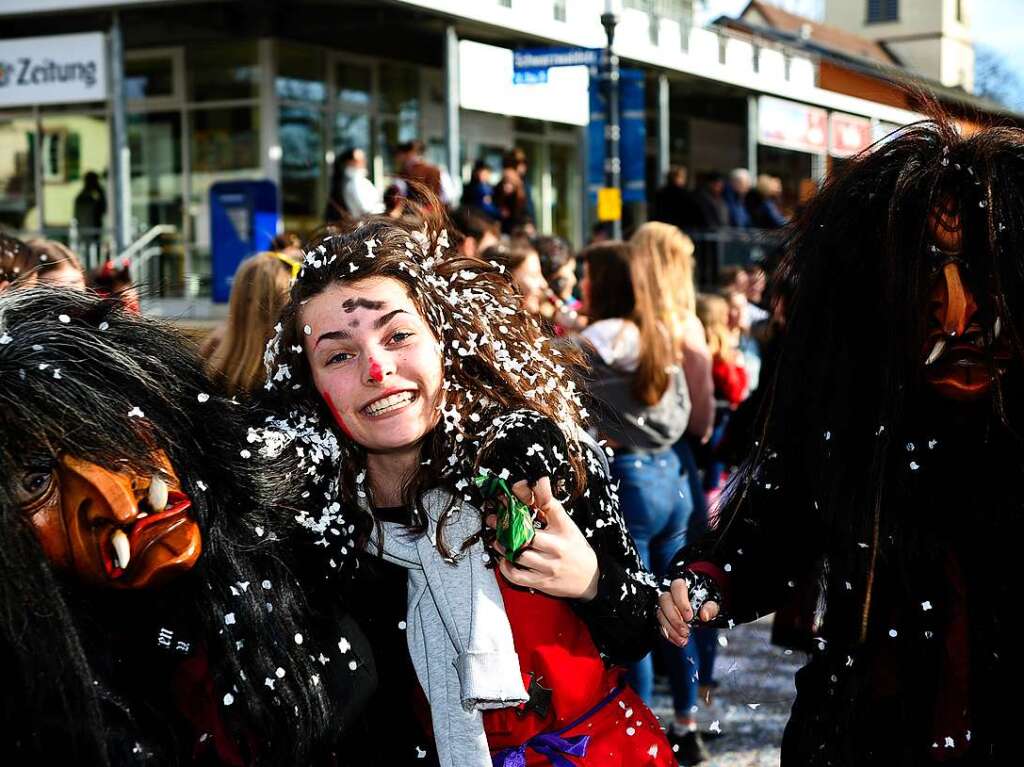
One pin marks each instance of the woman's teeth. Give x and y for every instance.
(387, 404)
(122, 550)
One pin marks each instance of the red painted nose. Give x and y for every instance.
(375, 371)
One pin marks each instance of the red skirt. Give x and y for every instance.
(592, 718)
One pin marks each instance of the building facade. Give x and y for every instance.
(931, 38)
(202, 92)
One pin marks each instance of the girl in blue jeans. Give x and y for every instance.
(641, 407)
(655, 501)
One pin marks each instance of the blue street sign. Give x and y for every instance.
(632, 136)
(531, 65)
(529, 76)
(544, 58)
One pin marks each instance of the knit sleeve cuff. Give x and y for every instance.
(498, 671)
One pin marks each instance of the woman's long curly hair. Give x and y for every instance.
(495, 358)
(83, 377)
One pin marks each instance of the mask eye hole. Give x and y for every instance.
(34, 484)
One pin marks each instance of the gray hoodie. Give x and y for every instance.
(613, 349)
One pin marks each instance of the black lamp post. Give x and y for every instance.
(612, 131)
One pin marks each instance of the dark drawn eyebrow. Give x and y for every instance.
(351, 304)
(384, 319)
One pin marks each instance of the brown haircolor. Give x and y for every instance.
(496, 359)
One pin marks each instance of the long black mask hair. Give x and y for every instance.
(80, 375)
(848, 396)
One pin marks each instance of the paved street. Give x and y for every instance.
(752, 702)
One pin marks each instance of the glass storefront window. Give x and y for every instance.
(72, 147)
(18, 204)
(399, 90)
(565, 189)
(224, 145)
(354, 84)
(156, 193)
(392, 133)
(222, 71)
(352, 131)
(225, 139)
(147, 78)
(300, 73)
(302, 159)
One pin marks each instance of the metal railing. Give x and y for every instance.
(157, 262)
(715, 249)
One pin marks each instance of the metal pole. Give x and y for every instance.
(119, 159)
(451, 106)
(664, 153)
(270, 123)
(753, 131)
(612, 161)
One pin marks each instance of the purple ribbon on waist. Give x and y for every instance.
(550, 745)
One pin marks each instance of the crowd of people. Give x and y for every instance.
(446, 491)
(720, 201)
(627, 311)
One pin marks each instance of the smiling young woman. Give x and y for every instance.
(434, 383)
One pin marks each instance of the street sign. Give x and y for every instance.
(545, 58)
(529, 76)
(531, 65)
(632, 132)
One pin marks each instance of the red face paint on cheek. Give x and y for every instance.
(337, 416)
(375, 371)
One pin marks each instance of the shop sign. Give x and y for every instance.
(848, 134)
(487, 84)
(790, 125)
(62, 69)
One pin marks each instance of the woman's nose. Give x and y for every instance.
(378, 367)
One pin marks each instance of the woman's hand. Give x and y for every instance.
(675, 612)
(558, 561)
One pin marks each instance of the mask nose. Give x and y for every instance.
(112, 493)
(957, 311)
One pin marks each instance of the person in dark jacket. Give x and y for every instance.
(763, 203)
(887, 472)
(675, 204)
(152, 612)
(735, 196)
(479, 192)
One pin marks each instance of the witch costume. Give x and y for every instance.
(887, 472)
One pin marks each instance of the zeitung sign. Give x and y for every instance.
(63, 69)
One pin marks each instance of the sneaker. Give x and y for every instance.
(689, 748)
